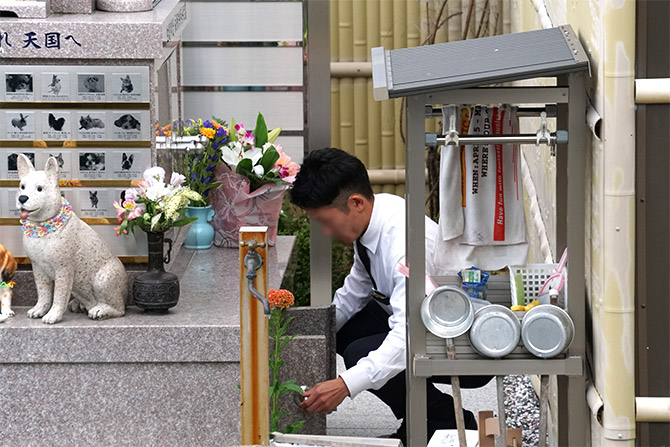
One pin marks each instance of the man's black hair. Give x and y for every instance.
(328, 177)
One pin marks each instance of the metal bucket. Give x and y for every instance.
(447, 312)
(495, 331)
(547, 331)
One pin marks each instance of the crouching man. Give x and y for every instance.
(334, 189)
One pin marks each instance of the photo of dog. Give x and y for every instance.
(92, 161)
(126, 85)
(93, 197)
(127, 122)
(54, 86)
(56, 123)
(12, 163)
(127, 162)
(59, 158)
(91, 83)
(20, 122)
(15, 83)
(88, 123)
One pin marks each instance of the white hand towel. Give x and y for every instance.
(482, 220)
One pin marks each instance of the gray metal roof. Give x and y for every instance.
(476, 62)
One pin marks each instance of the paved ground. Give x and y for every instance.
(368, 416)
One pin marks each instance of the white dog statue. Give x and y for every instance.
(68, 257)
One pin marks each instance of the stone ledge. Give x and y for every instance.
(203, 327)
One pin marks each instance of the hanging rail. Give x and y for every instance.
(554, 138)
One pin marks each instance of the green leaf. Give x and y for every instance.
(184, 221)
(291, 386)
(269, 159)
(261, 131)
(294, 427)
(244, 167)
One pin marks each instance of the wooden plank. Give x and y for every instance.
(254, 371)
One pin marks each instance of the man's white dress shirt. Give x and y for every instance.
(384, 240)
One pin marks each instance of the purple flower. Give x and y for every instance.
(208, 179)
(207, 124)
(215, 145)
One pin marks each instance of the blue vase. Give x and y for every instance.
(201, 233)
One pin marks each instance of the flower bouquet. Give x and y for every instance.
(199, 167)
(155, 206)
(254, 177)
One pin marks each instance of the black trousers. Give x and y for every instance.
(364, 333)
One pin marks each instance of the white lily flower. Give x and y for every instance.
(177, 179)
(254, 154)
(156, 191)
(230, 156)
(153, 174)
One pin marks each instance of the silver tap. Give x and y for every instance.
(253, 261)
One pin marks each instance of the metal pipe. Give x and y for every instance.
(652, 409)
(558, 137)
(614, 349)
(652, 91)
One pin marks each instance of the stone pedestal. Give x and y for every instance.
(168, 380)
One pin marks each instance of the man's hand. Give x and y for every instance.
(324, 397)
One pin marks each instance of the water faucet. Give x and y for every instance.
(253, 261)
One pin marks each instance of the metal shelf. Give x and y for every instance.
(428, 367)
(410, 73)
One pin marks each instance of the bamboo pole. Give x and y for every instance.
(506, 17)
(387, 116)
(360, 84)
(399, 41)
(334, 31)
(334, 83)
(425, 12)
(345, 30)
(455, 31)
(345, 13)
(413, 23)
(335, 130)
(374, 107)
(351, 69)
(254, 368)
(479, 17)
(442, 34)
(347, 114)
(494, 17)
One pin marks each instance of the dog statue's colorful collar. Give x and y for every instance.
(9, 284)
(41, 229)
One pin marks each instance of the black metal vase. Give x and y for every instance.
(156, 290)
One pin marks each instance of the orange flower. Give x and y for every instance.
(280, 298)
